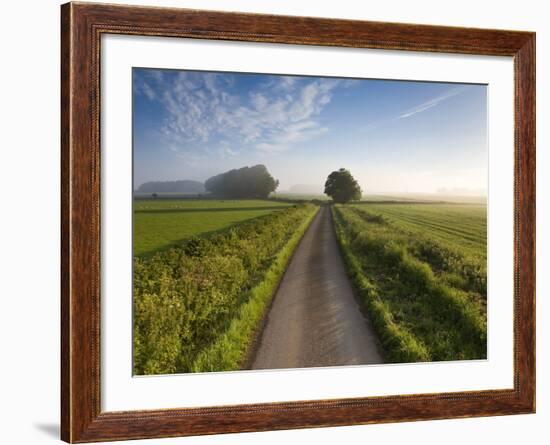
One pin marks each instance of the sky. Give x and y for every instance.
(394, 136)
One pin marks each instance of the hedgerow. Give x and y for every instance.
(189, 299)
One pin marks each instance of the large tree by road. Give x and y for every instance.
(342, 187)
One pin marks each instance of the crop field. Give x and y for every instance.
(298, 197)
(462, 227)
(421, 271)
(161, 223)
(198, 305)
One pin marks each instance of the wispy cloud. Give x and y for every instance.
(424, 106)
(203, 109)
(432, 102)
(144, 88)
(294, 133)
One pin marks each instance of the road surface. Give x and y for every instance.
(314, 319)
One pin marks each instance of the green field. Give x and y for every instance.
(421, 271)
(298, 197)
(457, 226)
(161, 223)
(428, 198)
(205, 272)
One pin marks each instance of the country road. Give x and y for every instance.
(314, 319)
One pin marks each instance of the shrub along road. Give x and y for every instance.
(315, 319)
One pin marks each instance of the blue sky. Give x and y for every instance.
(394, 136)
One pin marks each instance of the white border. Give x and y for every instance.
(120, 391)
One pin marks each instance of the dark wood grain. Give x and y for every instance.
(81, 28)
(65, 227)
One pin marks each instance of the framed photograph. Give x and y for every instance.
(274, 222)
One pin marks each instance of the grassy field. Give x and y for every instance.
(298, 197)
(197, 306)
(161, 223)
(457, 226)
(421, 272)
(428, 198)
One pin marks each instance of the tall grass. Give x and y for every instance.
(228, 351)
(460, 265)
(420, 312)
(196, 306)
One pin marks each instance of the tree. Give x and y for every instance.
(342, 187)
(246, 182)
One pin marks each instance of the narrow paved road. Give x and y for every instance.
(314, 319)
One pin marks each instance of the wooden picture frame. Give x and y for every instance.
(82, 25)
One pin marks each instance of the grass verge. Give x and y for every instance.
(196, 306)
(416, 314)
(230, 350)
(398, 344)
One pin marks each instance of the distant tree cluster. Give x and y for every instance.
(183, 186)
(342, 187)
(246, 182)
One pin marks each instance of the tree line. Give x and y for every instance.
(256, 183)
